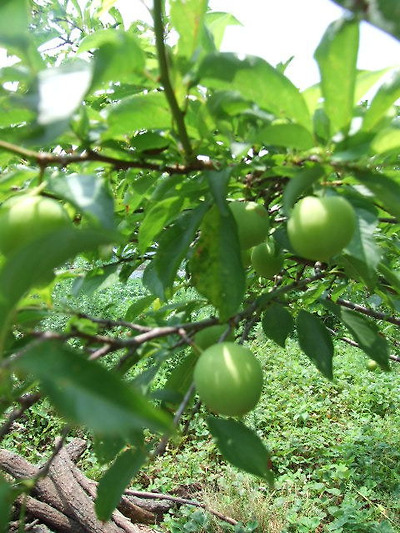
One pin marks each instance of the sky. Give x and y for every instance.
(278, 29)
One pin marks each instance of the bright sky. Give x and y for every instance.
(279, 29)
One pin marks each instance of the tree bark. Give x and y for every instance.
(64, 499)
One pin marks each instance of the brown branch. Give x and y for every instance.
(178, 415)
(46, 159)
(165, 79)
(351, 342)
(26, 401)
(181, 501)
(369, 312)
(49, 515)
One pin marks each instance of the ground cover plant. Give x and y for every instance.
(163, 194)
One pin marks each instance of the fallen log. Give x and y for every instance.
(64, 499)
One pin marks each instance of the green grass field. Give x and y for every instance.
(335, 450)
(335, 446)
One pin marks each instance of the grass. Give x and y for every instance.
(335, 451)
(335, 446)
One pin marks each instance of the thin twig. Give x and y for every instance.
(351, 342)
(26, 401)
(369, 312)
(182, 501)
(179, 412)
(379, 507)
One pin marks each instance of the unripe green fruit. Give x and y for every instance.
(228, 379)
(252, 223)
(266, 261)
(320, 228)
(209, 336)
(372, 365)
(26, 218)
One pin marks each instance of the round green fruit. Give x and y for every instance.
(372, 365)
(209, 336)
(266, 260)
(228, 379)
(252, 223)
(26, 218)
(320, 228)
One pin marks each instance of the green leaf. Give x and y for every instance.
(336, 56)
(390, 276)
(385, 14)
(218, 182)
(387, 94)
(113, 483)
(152, 282)
(300, 183)
(156, 218)
(385, 189)
(42, 256)
(368, 336)
(363, 249)
(386, 140)
(315, 342)
(216, 265)
(7, 496)
(365, 333)
(96, 280)
(14, 111)
(138, 112)
(88, 193)
(118, 60)
(287, 135)
(321, 125)
(217, 22)
(187, 17)
(67, 84)
(14, 22)
(174, 243)
(181, 376)
(241, 447)
(84, 392)
(277, 323)
(365, 80)
(107, 447)
(137, 308)
(257, 81)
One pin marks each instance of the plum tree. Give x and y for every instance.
(320, 228)
(228, 379)
(252, 222)
(155, 148)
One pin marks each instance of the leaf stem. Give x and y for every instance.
(177, 112)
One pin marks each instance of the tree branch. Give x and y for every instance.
(369, 312)
(46, 159)
(356, 345)
(182, 501)
(26, 401)
(165, 78)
